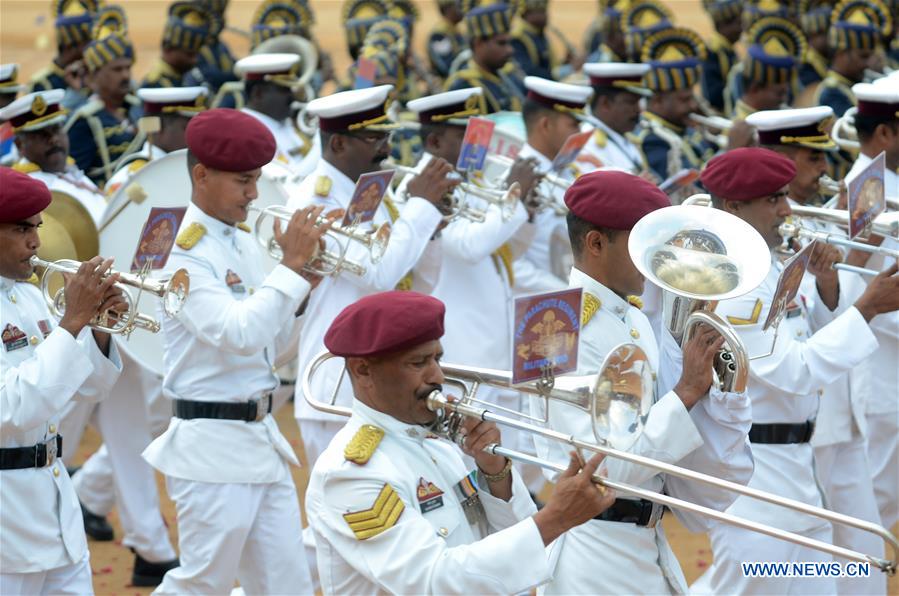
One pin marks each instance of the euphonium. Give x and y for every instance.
(173, 292)
(699, 256)
(326, 262)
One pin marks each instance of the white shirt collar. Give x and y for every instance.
(265, 118)
(213, 226)
(611, 301)
(388, 423)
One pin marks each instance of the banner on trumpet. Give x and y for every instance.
(367, 197)
(867, 197)
(157, 238)
(546, 332)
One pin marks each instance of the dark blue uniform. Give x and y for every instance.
(47, 79)
(97, 138)
(216, 64)
(444, 44)
(531, 51)
(656, 137)
(721, 58)
(501, 91)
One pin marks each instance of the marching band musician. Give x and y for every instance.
(814, 17)
(477, 257)
(186, 30)
(877, 125)
(808, 352)
(73, 20)
(102, 130)
(551, 111)
(9, 89)
(530, 44)
(639, 20)
(446, 39)
(354, 131)
(668, 144)
(694, 425)
(393, 506)
(840, 429)
(605, 36)
(215, 62)
(727, 18)
(615, 106)
(43, 549)
(269, 81)
(225, 461)
(174, 106)
(37, 120)
(491, 66)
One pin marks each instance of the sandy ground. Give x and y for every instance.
(27, 37)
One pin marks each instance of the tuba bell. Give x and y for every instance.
(699, 256)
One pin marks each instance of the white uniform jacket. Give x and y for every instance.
(72, 182)
(409, 237)
(290, 144)
(608, 149)
(544, 265)
(224, 346)
(785, 387)
(412, 520)
(42, 368)
(623, 558)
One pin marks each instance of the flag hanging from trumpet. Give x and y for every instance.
(545, 335)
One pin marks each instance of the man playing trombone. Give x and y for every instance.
(393, 506)
(225, 461)
(624, 550)
(790, 366)
(44, 365)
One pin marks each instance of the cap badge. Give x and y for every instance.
(39, 106)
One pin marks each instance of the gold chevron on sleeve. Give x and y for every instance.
(382, 515)
(753, 318)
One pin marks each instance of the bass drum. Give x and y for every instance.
(163, 182)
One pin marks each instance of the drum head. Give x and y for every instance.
(163, 182)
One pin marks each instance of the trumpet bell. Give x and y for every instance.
(176, 291)
(699, 253)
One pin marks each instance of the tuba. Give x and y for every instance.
(698, 256)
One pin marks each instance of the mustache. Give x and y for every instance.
(428, 390)
(54, 150)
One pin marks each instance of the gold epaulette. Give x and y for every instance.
(600, 137)
(26, 167)
(190, 235)
(34, 280)
(591, 306)
(323, 186)
(752, 319)
(363, 444)
(242, 226)
(136, 165)
(635, 301)
(382, 515)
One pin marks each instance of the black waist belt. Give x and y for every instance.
(782, 434)
(37, 456)
(248, 411)
(632, 511)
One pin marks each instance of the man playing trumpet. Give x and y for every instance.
(225, 461)
(43, 549)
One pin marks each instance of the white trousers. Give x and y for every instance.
(246, 532)
(732, 546)
(122, 421)
(68, 579)
(883, 457)
(844, 475)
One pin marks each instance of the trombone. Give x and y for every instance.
(618, 398)
(325, 262)
(545, 199)
(829, 186)
(457, 206)
(173, 292)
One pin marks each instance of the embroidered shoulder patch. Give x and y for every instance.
(363, 444)
(591, 305)
(190, 235)
(382, 515)
(322, 186)
(753, 317)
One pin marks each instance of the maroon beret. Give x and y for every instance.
(385, 322)
(229, 140)
(613, 199)
(747, 173)
(21, 196)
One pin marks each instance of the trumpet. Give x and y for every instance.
(709, 124)
(457, 206)
(545, 199)
(618, 398)
(173, 292)
(325, 262)
(699, 256)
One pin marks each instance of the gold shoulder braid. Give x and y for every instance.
(243, 227)
(404, 284)
(190, 235)
(363, 444)
(322, 186)
(382, 515)
(635, 301)
(503, 255)
(591, 305)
